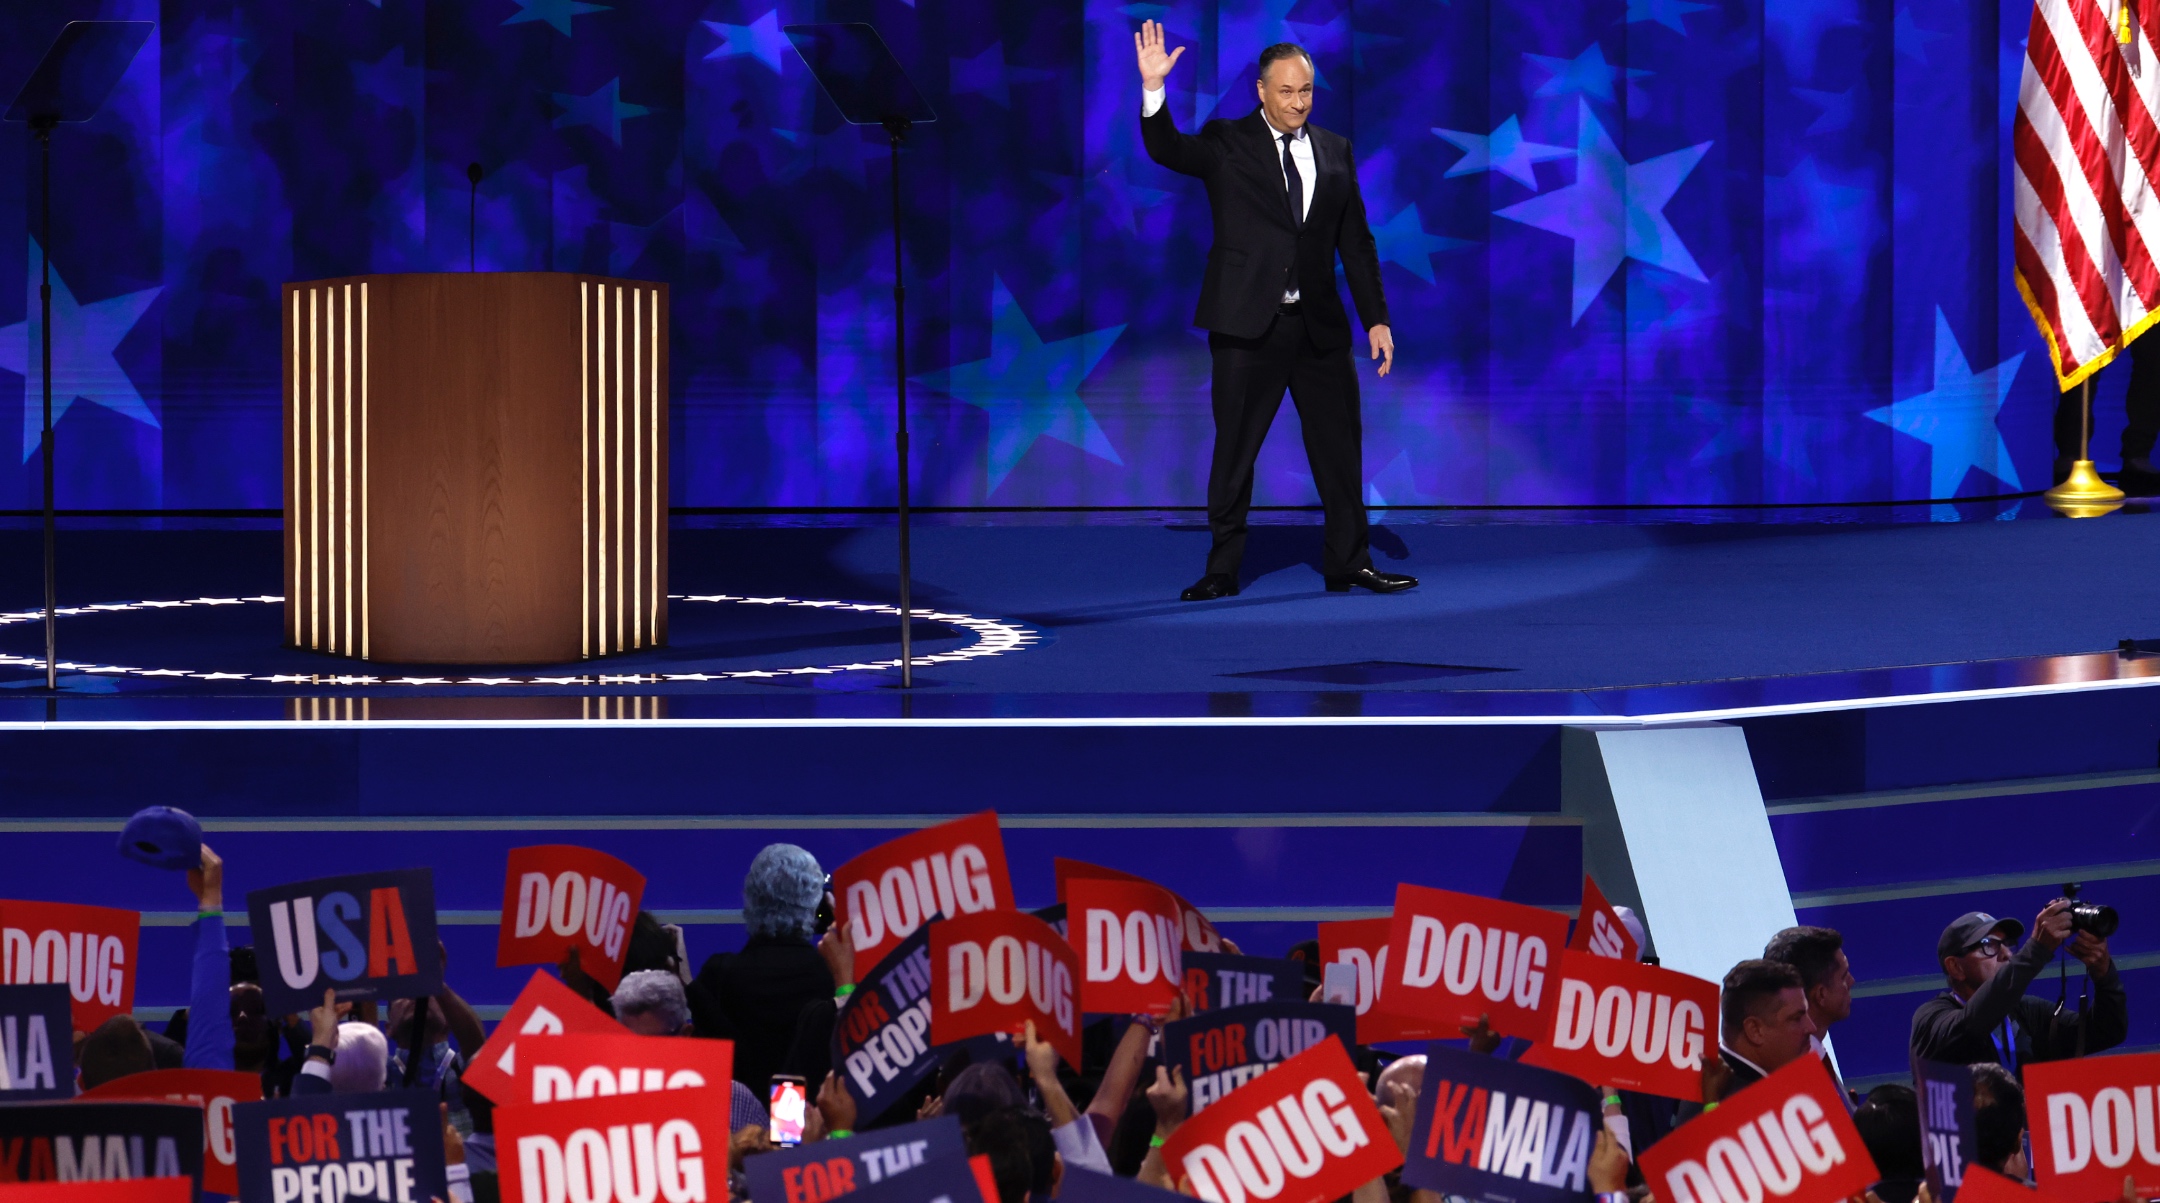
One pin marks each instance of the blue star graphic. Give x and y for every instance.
(1798, 26)
(1403, 240)
(986, 75)
(1502, 150)
(85, 339)
(555, 12)
(1029, 389)
(392, 79)
(1587, 73)
(1956, 418)
(603, 109)
(760, 39)
(1669, 13)
(1122, 199)
(1912, 41)
(1838, 109)
(1614, 211)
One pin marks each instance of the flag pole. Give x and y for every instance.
(2083, 494)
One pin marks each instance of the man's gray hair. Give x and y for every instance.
(653, 992)
(781, 892)
(363, 1059)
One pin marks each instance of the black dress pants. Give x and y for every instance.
(2142, 403)
(1250, 376)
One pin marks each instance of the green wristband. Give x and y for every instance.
(1156, 1141)
(210, 914)
(841, 1133)
(1707, 1108)
(843, 991)
(1612, 1100)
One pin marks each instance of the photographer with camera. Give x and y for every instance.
(1985, 1015)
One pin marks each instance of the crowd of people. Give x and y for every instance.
(1038, 1119)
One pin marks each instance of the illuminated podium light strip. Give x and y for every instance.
(621, 461)
(326, 497)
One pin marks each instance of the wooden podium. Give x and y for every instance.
(475, 467)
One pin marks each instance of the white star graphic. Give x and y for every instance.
(85, 339)
(1956, 418)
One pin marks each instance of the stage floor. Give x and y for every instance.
(1055, 616)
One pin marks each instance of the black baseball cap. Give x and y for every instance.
(1972, 927)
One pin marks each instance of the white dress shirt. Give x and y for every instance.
(1152, 100)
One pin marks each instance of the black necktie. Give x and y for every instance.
(1295, 184)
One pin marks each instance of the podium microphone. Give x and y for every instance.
(472, 216)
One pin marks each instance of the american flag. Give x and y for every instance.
(2087, 143)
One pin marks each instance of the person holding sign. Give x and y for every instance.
(1763, 1027)
(1985, 1016)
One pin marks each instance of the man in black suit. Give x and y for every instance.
(1285, 198)
(1764, 1026)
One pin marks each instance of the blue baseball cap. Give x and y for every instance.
(163, 837)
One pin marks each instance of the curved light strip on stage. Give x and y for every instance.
(993, 637)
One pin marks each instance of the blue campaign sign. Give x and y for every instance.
(385, 1147)
(102, 1142)
(937, 1180)
(369, 935)
(881, 1038)
(814, 1172)
(1223, 1049)
(1087, 1186)
(1500, 1131)
(1948, 1137)
(37, 1045)
(1214, 980)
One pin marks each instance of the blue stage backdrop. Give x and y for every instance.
(1638, 251)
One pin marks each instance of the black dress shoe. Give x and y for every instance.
(1366, 578)
(2138, 479)
(1210, 587)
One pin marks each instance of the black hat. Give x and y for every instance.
(163, 837)
(1969, 929)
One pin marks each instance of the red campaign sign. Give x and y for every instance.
(1363, 944)
(91, 948)
(2092, 1125)
(670, 1145)
(593, 1065)
(1303, 1132)
(1630, 1026)
(557, 897)
(1127, 935)
(1200, 934)
(1459, 956)
(1983, 1185)
(215, 1091)
(545, 1007)
(952, 869)
(1785, 1139)
(994, 972)
(1598, 930)
(128, 1190)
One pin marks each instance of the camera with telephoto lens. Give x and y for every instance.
(2101, 921)
(824, 920)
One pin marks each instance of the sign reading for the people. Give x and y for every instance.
(216, 1091)
(1363, 945)
(2093, 1125)
(136, 1190)
(670, 1146)
(545, 1007)
(385, 1147)
(1109, 1188)
(1459, 957)
(952, 869)
(1630, 1026)
(594, 1065)
(881, 1037)
(939, 1180)
(1199, 934)
(369, 935)
(1131, 952)
(90, 949)
(1598, 930)
(1304, 1132)
(1785, 1139)
(1948, 1137)
(1491, 1129)
(1222, 1049)
(37, 1047)
(1214, 980)
(557, 897)
(995, 972)
(84, 1141)
(826, 1169)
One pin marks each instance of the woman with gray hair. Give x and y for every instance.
(763, 988)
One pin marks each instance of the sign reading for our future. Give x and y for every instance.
(89, 948)
(101, 1142)
(1223, 1049)
(368, 935)
(37, 1049)
(952, 869)
(813, 1173)
(385, 1147)
(1491, 1129)
(557, 897)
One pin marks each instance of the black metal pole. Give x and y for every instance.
(897, 127)
(44, 133)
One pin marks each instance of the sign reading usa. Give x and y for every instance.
(1598, 930)
(952, 869)
(384, 1147)
(669, 1145)
(1304, 1132)
(881, 1037)
(1127, 933)
(996, 972)
(100, 1142)
(545, 1007)
(1785, 1139)
(369, 935)
(1492, 1129)
(813, 1173)
(2092, 1125)
(1460, 957)
(216, 1091)
(557, 897)
(37, 1048)
(1222, 1049)
(1630, 1026)
(90, 948)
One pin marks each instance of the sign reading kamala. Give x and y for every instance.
(385, 1147)
(1630, 1026)
(216, 1091)
(1948, 1139)
(953, 869)
(100, 1142)
(881, 1037)
(90, 948)
(995, 972)
(1785, 1139)
(1492, 1129)
(813, 1173)
(1127, 933)
(1363, 945)
(1222, 1049)
(1598, 930)
(370, 935)
(1199, 934)
(1460, 956)
(545, 1007)
(138, 1190)
(2093, 1125)
(592, 1065)
(557, 897)
(670, 1145)
(1220, 979)
(1304, 1132)
(37, 1046)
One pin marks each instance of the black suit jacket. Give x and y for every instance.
(1945, 1029)
(1256, 240)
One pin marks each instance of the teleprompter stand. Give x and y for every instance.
(853, 65)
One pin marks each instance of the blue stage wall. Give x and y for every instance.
(1638, 251)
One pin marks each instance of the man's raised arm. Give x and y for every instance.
(1177, 151)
